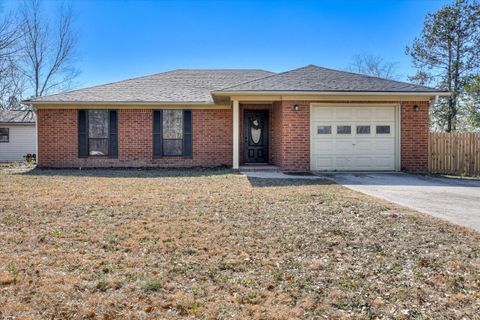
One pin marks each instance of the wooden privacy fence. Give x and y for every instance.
(454, 153)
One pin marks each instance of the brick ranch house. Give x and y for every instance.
(310, 118)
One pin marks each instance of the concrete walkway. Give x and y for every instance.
(277, 175)
(455, 200)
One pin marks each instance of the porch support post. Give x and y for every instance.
(236, 134)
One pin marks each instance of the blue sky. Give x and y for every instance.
(128, 38)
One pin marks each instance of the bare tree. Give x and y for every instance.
(373, 66)
(10, 77)
(48, 49)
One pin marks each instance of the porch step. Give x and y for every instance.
(264, 168)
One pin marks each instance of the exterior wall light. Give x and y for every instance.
(296, 107)
(416, 108)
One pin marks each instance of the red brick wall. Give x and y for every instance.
(57, 137)
(295, 132)
(212, 138)
(58, 146)
(277, 137)
(414, 137)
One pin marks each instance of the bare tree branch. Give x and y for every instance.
(49, 50)
(11, 84)
(373, 65)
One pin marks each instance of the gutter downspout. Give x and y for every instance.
(36, 133)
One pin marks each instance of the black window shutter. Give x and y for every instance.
(82, 134)
(113, 135)
(187, 133)
(157, 133)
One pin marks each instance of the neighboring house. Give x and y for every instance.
(310, 118)
(17, 134)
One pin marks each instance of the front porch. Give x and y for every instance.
(284, 138)
(254, 136)
(259, 168)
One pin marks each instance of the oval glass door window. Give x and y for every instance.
(255, 131)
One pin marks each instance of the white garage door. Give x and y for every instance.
(353, 138)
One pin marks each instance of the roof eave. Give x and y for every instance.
(339, 93)
(5, 123)
(132, 103)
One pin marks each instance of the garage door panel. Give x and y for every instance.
(324, 163)
(384, 146)
(344, 114)
(344, 146)
(324, 113)
(384, 163)
(364, 146)
(323, 146)
(365, 150)
(344, 162)
(364, 163)
(364, 114)
(384, 114)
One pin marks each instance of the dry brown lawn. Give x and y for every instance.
(152, 244)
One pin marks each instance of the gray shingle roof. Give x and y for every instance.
(314, 78)
(175, 86)
(17, 116)
(196, 86)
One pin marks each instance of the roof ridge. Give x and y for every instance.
(272, 75)
(224, 69)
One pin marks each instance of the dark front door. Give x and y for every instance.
(255, 136)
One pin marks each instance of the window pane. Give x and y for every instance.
(3, 134)
(344, 129)
(363, 129)
(98, 124)
(172, 124)
(98, 147)
(172, 147)
(324, 129)
(383, 130)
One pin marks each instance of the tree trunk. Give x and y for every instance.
(451, 114)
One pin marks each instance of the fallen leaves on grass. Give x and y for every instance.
(127, 244)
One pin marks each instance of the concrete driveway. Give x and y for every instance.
(455, 200)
